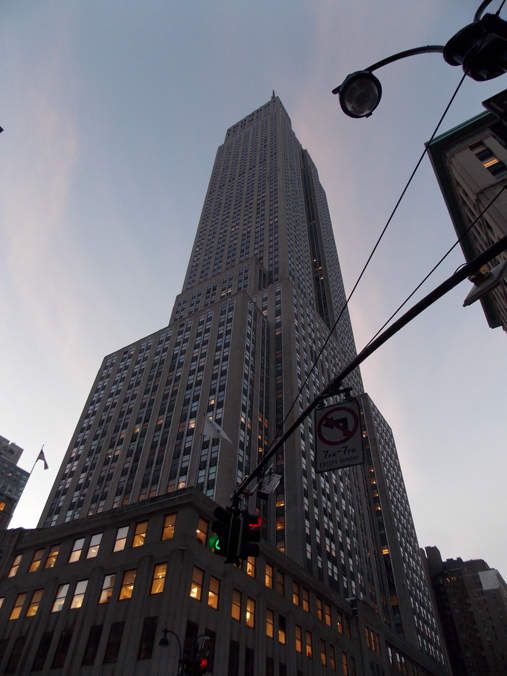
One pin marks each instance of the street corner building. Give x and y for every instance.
(120, 554)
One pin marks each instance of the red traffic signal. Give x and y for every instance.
(250, 535)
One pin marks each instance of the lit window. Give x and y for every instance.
(15, 565)
(168, 529)
(34, 603)
(213, 592)
(306, 600)
(18, 606)
(79, 592)
(2, 599)
(323, 656)
(318, 605)
(299, 639)
(36, 561)
(140, 534)
(270, 624)
(339, 623)
(236, 605)
(2, 505)
(282, 629)
(127, 585)
(345, 664)
(196, 584)
(93, 547)
(268, 576)
(121, 539)
(107, 589)
(77, 548)
(250, 566)
(250, 613)
(158, 581)
(61, 593)
(280, 583)
(327, 614)
(52, 556)
(296, 594)
(308, 644)
(332, 658)
(201, 532)
(385, 551)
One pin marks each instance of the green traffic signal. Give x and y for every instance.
(214, 543)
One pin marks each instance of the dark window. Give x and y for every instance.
(249, 662)
(282, 669)
(92, 644)
(3, 647)
(113, 642)
(17, 649)
(270, 667)
(233, 669)
(42, 651)
(62, 648)
(190, 639)
(211, 658)
(147, 638)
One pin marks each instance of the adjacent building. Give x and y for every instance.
(12, 480)
(470, 163)
(262, 290)
(472, 604)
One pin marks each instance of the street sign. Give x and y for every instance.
(338, 436)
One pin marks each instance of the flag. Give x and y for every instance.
(42, 457)
(213, 430)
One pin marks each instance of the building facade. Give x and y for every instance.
(470, 163)
(12, 479)
(472, 604)
(262, 290)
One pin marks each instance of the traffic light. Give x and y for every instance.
(225, 536)
(250, 534)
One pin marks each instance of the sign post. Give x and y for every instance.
(338, 438)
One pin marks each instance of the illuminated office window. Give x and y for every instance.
(140, 534)
(127, 585)
(158, 580)
(196, 584)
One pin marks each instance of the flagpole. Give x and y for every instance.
(36, 461)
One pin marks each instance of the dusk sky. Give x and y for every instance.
(113, 112)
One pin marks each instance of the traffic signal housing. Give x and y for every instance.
(250, 535)
(225, 536)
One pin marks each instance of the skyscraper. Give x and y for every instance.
(262, 290)
(12, 479)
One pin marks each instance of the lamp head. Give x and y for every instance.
(164, 641)
(359, 93)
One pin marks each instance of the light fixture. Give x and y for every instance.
(359, 93)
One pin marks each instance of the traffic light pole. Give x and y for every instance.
(333, 387)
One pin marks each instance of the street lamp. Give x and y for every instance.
(164, 643)
(480, 48)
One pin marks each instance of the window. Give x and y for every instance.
(268, 576)
(323, 655)
(280, 583)
(168, 529)
(270, 624)
(201, 532)
(52, 556)
(213, 592)
(77, 548)
(318, 608)
(113, 642)
(332, 658)
(147, 640)
(36, 561)
(158, 580)
(308, 644)
(296, 594)
(79, 592)
(299, 639)
(93, 547)
(327, 614)
(345, 664)
(127, 585)
(121, 539)
(306, 600)
(15, 565)
(107, 589)
(250, 566)
(42, 651)
(196, 584)
(61, 593)
(18, 606)
(233, 666)
(92, 645)
(34, 603)
(140, 534)
(62, 648)
(282, 630)
(339, 623)
(236, 605)
(250, 613)
(15, 655)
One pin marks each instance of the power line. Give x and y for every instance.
(474, 222)
(368, 260)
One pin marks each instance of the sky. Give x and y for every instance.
(113, 113)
